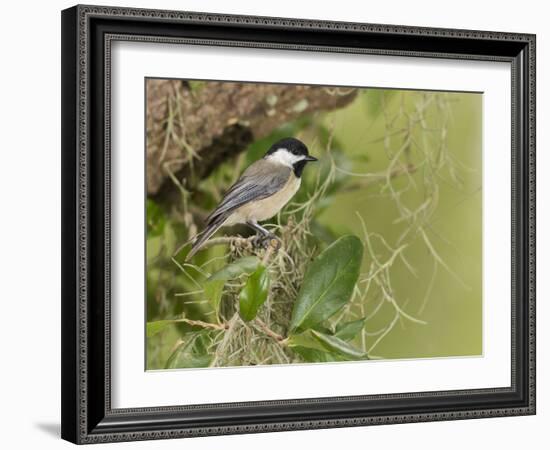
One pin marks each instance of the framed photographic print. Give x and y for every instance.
(282, 224)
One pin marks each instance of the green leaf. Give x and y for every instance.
(213, 291)
(245, 265)
(328, 283)
(349, 330)
(213, 286)
(339, 346)
(315, 355)
(190, 354)
(157, 326)
(156, 219)
(311, 350)
(304, 339)
(254, 294)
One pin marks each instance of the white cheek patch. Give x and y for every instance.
(283, 156)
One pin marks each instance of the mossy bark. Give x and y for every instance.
(194, 126)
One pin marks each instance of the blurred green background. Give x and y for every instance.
(409, 164)
(453, 309)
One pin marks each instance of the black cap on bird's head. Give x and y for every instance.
(291, 152)
(292, 145)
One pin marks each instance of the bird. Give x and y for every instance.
(261, 191)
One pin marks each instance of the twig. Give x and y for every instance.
(224, 240)
(268, 331)
(200, 323)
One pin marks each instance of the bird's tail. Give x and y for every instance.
(201, 238)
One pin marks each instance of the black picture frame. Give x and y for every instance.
(87, 33)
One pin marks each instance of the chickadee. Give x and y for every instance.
(261, 191)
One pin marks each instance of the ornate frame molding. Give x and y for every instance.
(87, 421)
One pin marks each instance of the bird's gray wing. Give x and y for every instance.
(257, 182)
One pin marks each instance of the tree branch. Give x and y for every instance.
(194, 126)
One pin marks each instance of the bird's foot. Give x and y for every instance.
(268, 240)
(274, 242)
(258, 241)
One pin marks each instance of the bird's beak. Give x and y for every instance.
(311, 158)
